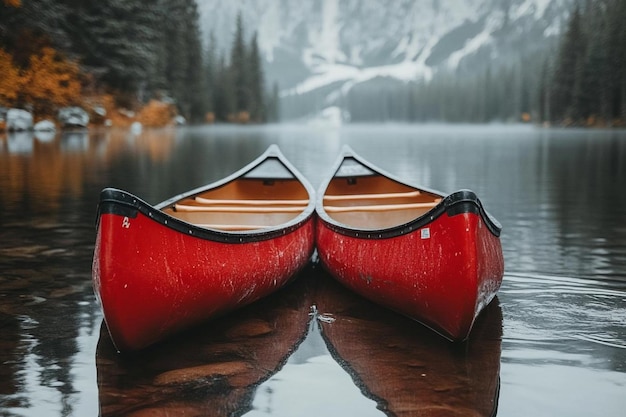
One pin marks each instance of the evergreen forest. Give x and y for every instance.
(143, 56)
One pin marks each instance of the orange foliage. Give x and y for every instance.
(13, 3)
(243, 117)
(116, 116)
(51, 82)
(120, 118)
(10, 81)
(156, 114)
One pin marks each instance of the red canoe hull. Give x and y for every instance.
(436, 259)
(160, 269)
(153, 281)
(443, 281)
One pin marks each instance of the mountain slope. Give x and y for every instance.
(331, 45)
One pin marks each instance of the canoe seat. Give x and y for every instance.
(232, 202)
(382, 196)
(232, 227)
(381, 207)
(238, 208)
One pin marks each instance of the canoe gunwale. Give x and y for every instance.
(459, 202)
(116, 201)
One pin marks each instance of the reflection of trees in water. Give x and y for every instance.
(48, 339)
(200, 158)
(60, 320)
(47, 297)
(590, 170)
(39, 174)
(9, 347)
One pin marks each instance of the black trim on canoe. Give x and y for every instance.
(122, 203)
(459, 202)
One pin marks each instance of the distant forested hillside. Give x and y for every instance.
(585, 81)
(580, 80)
(131, 52)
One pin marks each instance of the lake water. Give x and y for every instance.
(552, 344)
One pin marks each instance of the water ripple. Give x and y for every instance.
(602, 339)
(556, 310)
(525, 283)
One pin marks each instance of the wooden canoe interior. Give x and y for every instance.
(375, 202)
(244, 204)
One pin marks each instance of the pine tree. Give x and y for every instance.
(195, 85)
(566, 83)
(174, 27)
(224, 99)
(255, 77)
(116, 40)
(240, 71)
(27, 27)
(619, 11)
(210, 75)
(272, 105)
(596, 80)
(544, 93)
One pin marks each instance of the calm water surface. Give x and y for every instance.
(553, 343)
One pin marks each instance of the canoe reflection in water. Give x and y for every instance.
(407, 368)
(215, 369)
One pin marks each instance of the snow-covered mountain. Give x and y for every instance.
(333, 45)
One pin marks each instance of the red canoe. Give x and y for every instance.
(436, 259)
(160, 269)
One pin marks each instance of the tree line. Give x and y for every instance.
(586, 83)
(580, 80)
(131, 53)
(236, 89)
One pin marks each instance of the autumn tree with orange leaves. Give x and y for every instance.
(51, 82)
(48, 83)
(10, 80)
